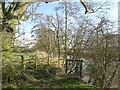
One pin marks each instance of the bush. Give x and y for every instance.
(9, 74)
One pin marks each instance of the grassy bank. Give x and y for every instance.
(45, 77)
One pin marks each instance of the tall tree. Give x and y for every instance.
(101, 57)
(11, 13)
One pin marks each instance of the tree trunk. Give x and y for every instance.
(7, 43)
(1, 16)
(66, 28)
(12, 14)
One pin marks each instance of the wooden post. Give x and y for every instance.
(58, 61)
(76, 67)
(23, 62)
(30, 60)
(66, 66)
(36, 61)
(81, 61)
(48, 61)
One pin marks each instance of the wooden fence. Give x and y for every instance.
(37, 61)
(70, 66)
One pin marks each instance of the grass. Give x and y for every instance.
(46, 77)
(58, 82)
(55, 82)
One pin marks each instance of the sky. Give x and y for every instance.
(49, 9)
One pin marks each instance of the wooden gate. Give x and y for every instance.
(34, 60)
(74, 67)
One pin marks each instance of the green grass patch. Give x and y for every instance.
(45, 77)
